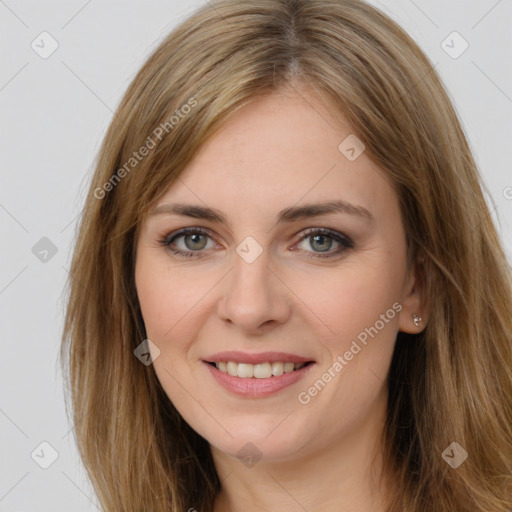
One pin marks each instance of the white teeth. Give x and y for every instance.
(277, 369)
(258, 371)
(288, 367)
(231, 368)
(262, 371)
(245, 370)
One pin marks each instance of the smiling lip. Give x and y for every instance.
(253, 387)
(262, 357)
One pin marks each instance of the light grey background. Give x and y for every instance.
(54, 113)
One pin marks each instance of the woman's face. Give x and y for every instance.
(272, 278)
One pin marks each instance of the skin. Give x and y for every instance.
(281, 151)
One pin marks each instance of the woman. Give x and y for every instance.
(287, 290)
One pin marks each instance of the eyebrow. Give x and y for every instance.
(290, 214)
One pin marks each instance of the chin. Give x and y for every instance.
(263, 440)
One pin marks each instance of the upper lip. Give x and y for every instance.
(262, 357)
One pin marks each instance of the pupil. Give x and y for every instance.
(322, 238)
(195, 239)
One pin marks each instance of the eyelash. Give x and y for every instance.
(167, 239)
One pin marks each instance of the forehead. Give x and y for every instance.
(280, 150)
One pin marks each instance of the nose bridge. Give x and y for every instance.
(250, 277)
(252, 295)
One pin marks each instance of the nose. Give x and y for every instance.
(255, 298)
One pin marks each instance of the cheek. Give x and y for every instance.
(351, 300)
(153, 299)
(167, 296)
(361, 311)
(167, 302)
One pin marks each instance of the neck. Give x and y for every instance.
(344, 476)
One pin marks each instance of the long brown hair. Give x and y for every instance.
(450, 383)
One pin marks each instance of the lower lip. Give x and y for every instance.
(257, 388)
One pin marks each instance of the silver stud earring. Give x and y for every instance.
(416, 319)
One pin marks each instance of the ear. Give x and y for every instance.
(414, 301)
